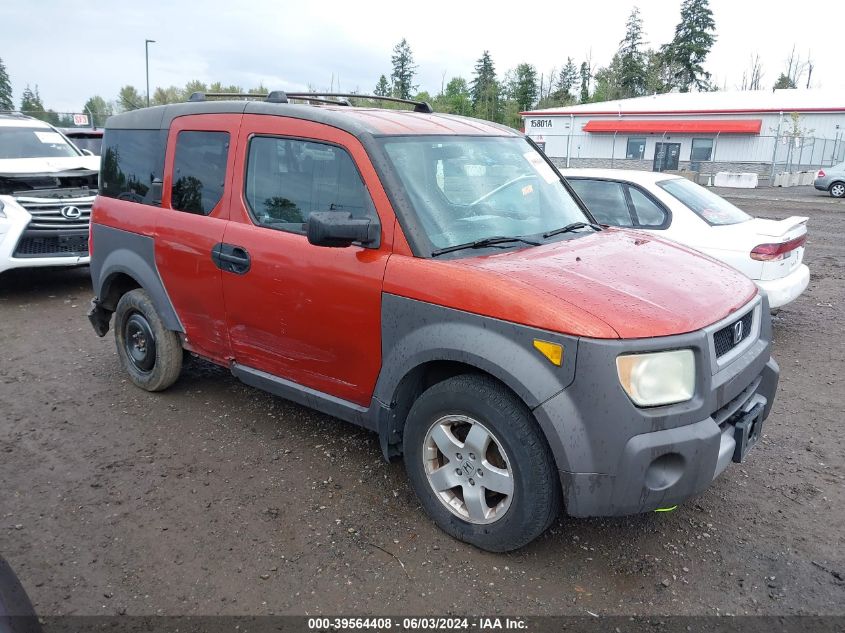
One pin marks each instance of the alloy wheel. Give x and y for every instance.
(468, 469)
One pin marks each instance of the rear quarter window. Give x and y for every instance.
(132, 161)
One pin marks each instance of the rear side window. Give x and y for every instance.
(199, 171)
(133, 161)
(287, 179)
(647, 210)
(605, 200)
(703, 202)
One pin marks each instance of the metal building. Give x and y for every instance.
(765, 132)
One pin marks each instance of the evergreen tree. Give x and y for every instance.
(694, 37)
(608, 86)
(632, 63)
(523, 87)
(784, 81)
(129, 99)
(403, 70)
(484, 89)
(382, 87)
(31, 102)
(455, 98)
(6, 101)
(585, 82)
(565, 83)
(97, 108)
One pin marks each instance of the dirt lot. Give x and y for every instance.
(214, 498)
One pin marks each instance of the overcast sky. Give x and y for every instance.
(75, 49)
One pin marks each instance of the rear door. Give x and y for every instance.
(197, 182)
(308, 314)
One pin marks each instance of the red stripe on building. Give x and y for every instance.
(675, 126)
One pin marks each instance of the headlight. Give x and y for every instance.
(2, 215)
(659, 378)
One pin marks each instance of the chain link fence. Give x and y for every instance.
(65, 119)
(764, 155)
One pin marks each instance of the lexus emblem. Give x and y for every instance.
(71, 213)
(737, 332)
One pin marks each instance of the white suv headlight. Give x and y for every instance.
(657, 378)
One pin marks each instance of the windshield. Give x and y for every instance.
(466, 188)
(33, 142)
(707, 205)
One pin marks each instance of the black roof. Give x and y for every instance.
(349, 119)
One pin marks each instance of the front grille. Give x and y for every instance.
(47, 213)
(725, 339)
(34, 245)
(58, 228)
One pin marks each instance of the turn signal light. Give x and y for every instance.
(774, 252)
(552, 351)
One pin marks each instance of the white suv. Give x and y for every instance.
(47, 187)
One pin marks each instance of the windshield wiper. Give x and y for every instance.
(572, 227)
(486, 241)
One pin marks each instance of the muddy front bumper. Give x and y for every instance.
(615, 458)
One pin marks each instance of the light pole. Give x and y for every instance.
(147, 58)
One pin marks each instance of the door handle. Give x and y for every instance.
(231, 259)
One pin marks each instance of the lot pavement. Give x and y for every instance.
(215, 498)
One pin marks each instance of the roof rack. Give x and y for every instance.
(331, 98)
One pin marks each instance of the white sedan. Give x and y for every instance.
(770, 252)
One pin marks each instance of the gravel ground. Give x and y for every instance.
(215, 498)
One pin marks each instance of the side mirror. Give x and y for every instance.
(337, 229)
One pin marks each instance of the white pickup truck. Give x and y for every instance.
(47, 187)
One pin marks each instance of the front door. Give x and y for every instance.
(305, 313)
(197, 182)
(666, 156)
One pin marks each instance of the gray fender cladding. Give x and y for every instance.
(123, 252)
(415, 333)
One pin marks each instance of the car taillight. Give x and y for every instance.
(773, 252)
(821, 174)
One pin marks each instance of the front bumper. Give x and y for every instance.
(617, 459)
(15, 234)
(786, 289)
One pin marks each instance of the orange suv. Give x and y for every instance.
(431, 278)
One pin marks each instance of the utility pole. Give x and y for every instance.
(147, 58)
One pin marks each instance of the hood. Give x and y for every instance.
(76, 165)
(639, 285)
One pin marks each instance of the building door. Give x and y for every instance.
(666, 156)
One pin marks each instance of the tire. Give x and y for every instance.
(149, 352)
(837, 190)
(486, 516)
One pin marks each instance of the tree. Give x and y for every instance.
(403, 70)
(195, 85)
(129, 99)
(31, 102)
(632, 60)
(608, 78)
(784, 81)
(753, 77)
(686, 53)
(523, 86)
(565, 83)
(382, 88)
(455, 98)
(484, 89)
(6, 100)
(97, 108)
(585, 74)
(163, 96)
